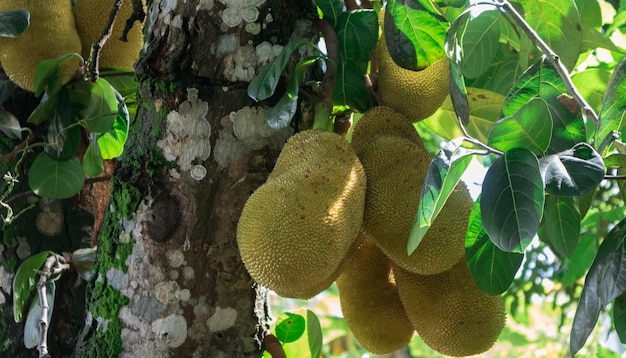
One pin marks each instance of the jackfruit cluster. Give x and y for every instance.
(58, 28)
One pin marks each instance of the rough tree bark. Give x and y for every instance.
(170, 281)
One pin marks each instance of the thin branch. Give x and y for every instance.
(106, 33)
(18, 148)
(476, 142)
(507, 8)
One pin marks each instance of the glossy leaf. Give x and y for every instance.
(314, 334)
(619, 317)
(614, 103)
(444, 172)
(492, 269)
(32, 328)
(581, 260)
(290, 327)
(593, 39)
(357, 34)
(331, 9)
(590, 12)
(478, 36)
(574, 171)
(9, 125)
(512, 200)
(530, 127)
(48, 74)
(13, 22)
(415, 33)
(350, 89)
(63, 136)
(45, 109)
(111, 143)
(25, 280)
(458, 90)
(264, 84)
(50, 178)
(102, 110)
(560, 226)
(587, 312)
(92, 161)
(592, 84)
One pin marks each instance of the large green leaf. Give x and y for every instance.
(512, 200)
(581, 260)
(560, 226)
(492, 269)
(478, 36)
(619, 317)
(592, 84)
(529, 127)
(63, 135)
(290, 327)
(572, 172)
(444, 172)
(331, 9)
(25, 280)
(92, 161)
(587, 312)
(415, 33)
(48, 74)
(357, 34)
(13, 22)
(614, 103)
(111, 143)
(557, 22)
(350, 89)
(101, 112)
(50, 178)
(590, 12)
(44, 110)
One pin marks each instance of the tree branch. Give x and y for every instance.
(106, 33)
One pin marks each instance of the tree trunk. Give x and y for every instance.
(169, 278)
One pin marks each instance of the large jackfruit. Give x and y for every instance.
(451, 314)
(92, 16)
(417, 94)
(295, 230)
(370, 302)
(395, 169)
(380, 121)
(51, 33)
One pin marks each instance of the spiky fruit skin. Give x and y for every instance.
(417, 94)
(380, 121)
(51, 33)
(370, 302)
(449, 312)
(395, 169)
(92, 16)
(295, 230)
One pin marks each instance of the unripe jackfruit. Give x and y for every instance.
(451, 314)
(370, 302)
(92, 16)
(51, 33)
(380, 121)
(395, 169)
(417, 94)
(295, 230)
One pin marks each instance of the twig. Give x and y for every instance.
(17, 149)
(507, 8)
(54, 265)
(476, 142)
(106, 33)
(138, 15)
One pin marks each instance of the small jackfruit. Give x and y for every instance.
(379, 121)
(91, 18)
(295, 230)
(395, 169)
(451, 314)
(51, 34)
(370, 302)
(417, 94)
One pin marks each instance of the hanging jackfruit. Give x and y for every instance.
(91, 18)
(451, 314)
(417, 94)
(379, 121)
(295, 230)
(51, 33)
(370, 302)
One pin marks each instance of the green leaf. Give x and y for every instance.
(123, 82)
(478, 36)
(512, 200)
(415, 33)
(314, 334)
(63, 135)
(331, 9)
(560, 226)
(593, 39)
(590, 12)
(102, 110)
(290, 327)
(25, 280)
(50, 178)
(587, 312)
(592, 84)
(92, 161)
(619, 317)
(13, 22)
(9, 125)
(492, 269)
(32, 327)
(350, 89)
(614, 104)
(444, 172)
(458, 90)
(530, 127)
(557, 22)
(45, 109)
(48, 74)
(357, 34)
(581, 260)
(264, 84)
(572, 172)
(111, 143)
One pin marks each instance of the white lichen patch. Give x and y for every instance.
(166, 291)
(253, 28)
(266, 52)
(205, 5)
(241, 64)
(117, 279)
(222, 319)
(172, 330)
(238, 11)
(184, 295)
(176, 258)
(50, 223)
(23, 248)
(250, 126)
(187, 132)
(6, 281)
(198, 172)
(188, 273)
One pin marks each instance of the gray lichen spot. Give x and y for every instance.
(222, 319)
(240, 65)
(171, 329)
(250, 126)
(176, 258)
(50, 220)
(166, 291)
(238, 11)
(117, 279)
(266, 52)
(198, 172)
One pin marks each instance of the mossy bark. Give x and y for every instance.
(169, 278)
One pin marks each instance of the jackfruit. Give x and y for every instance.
(451, 314)
(370, 302)
(417, 94)
(91, 18)
(379, 121)
(296, 228)
(51, 33)
(395, 169)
